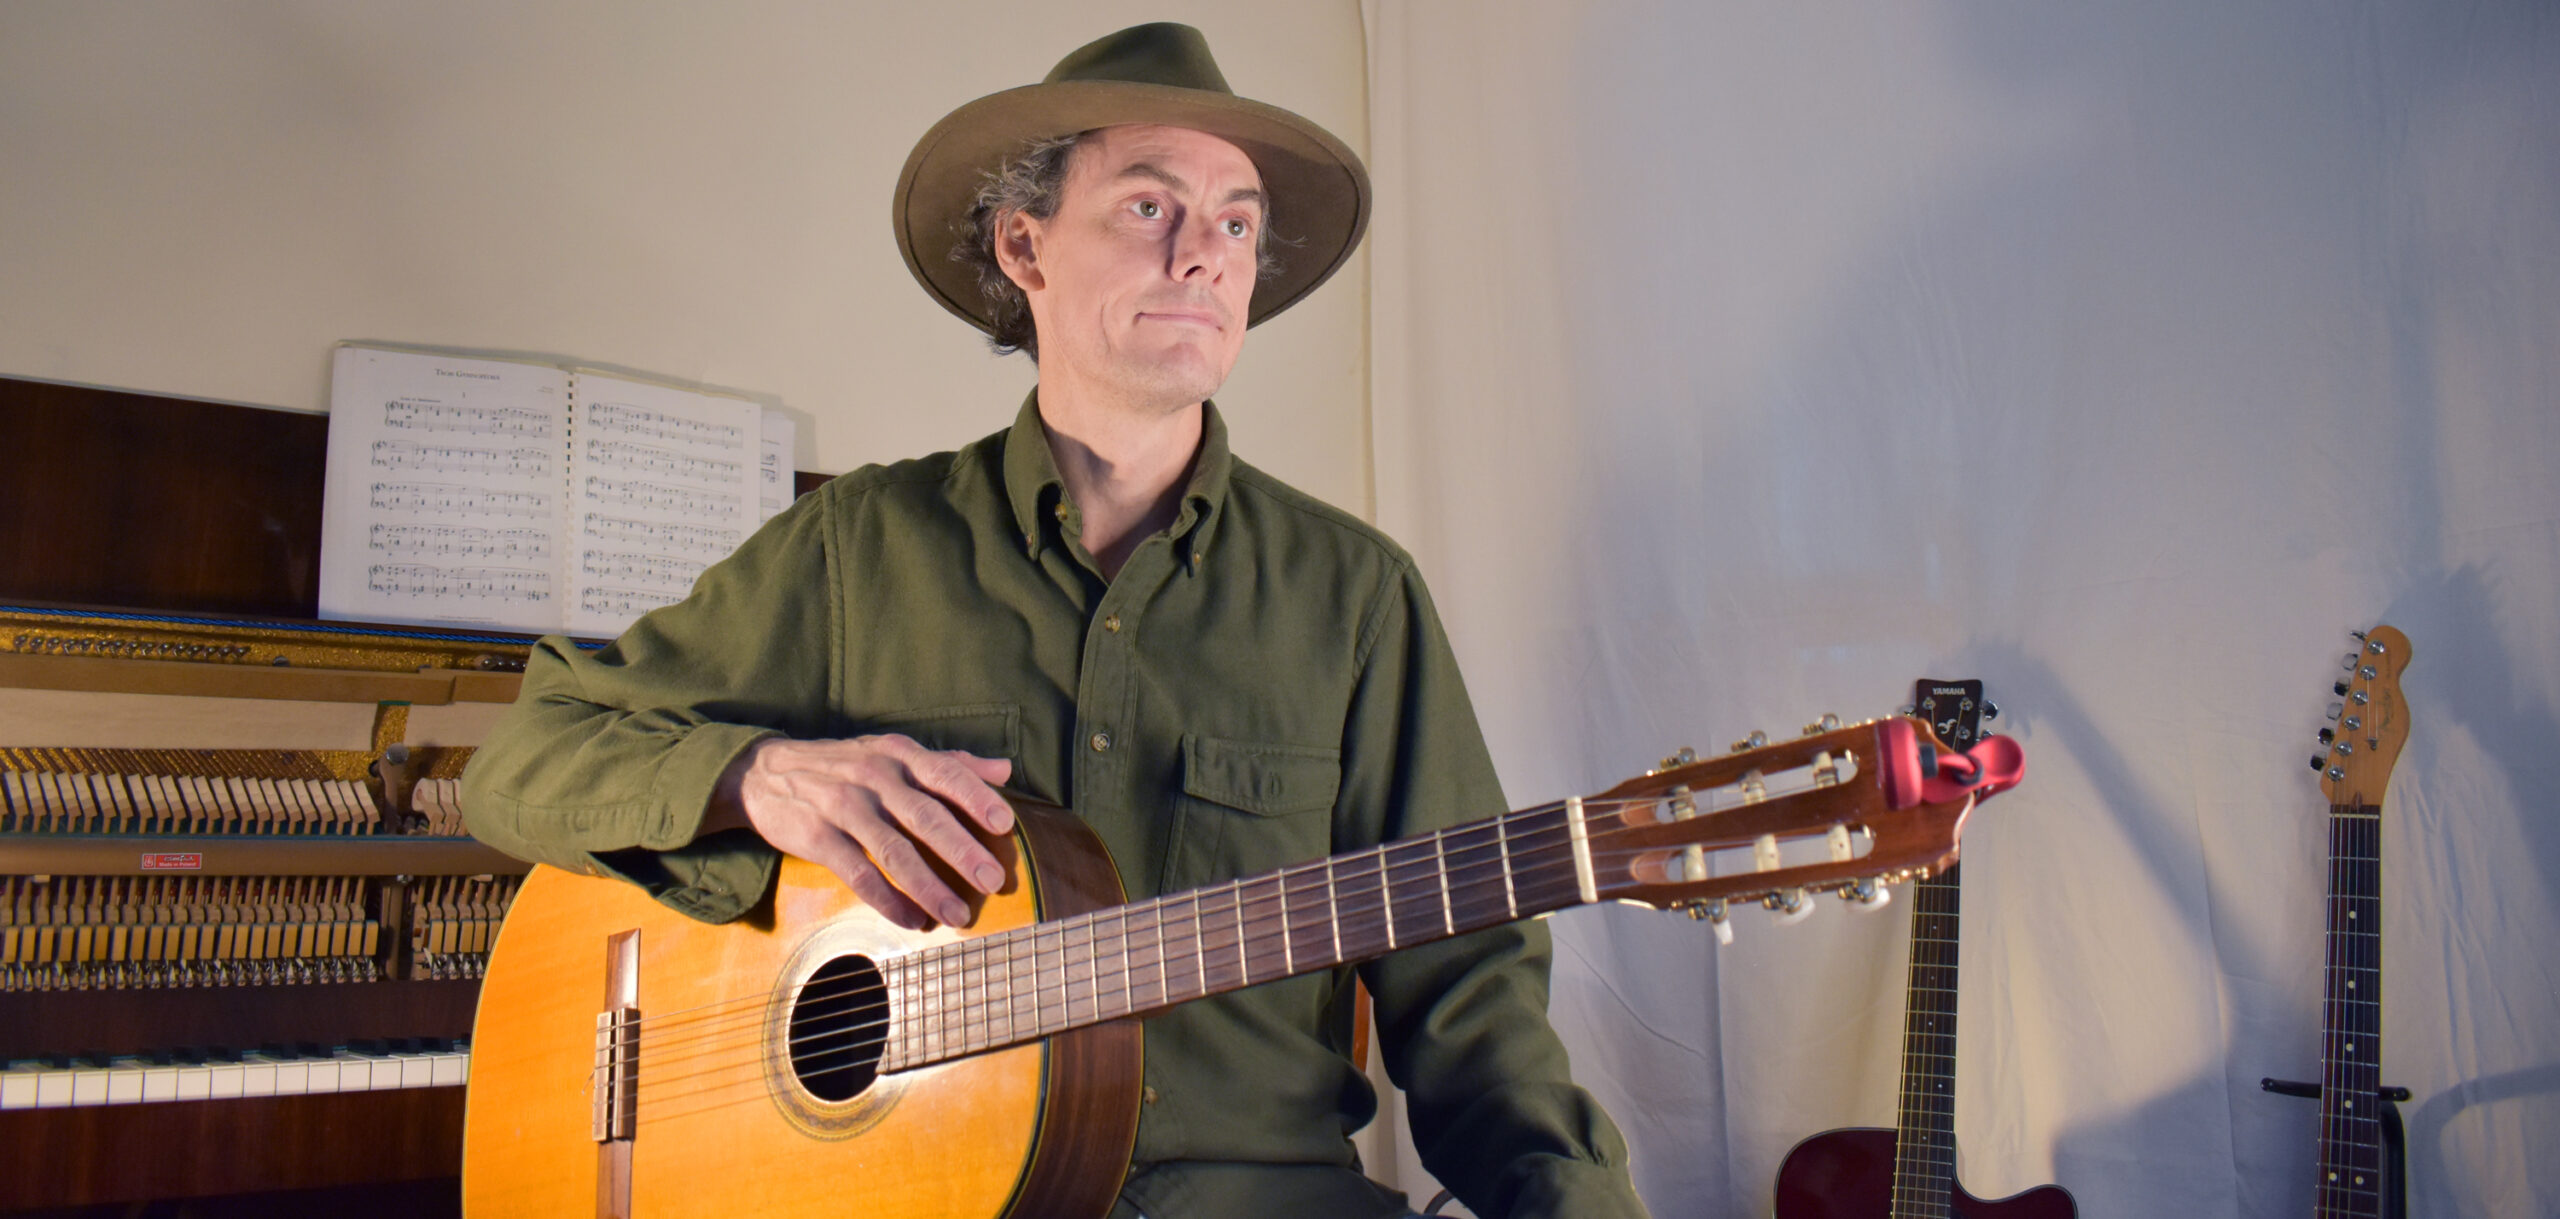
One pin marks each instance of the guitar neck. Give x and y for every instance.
(2351, 1018)
(1036, 981)
(1924, 1145)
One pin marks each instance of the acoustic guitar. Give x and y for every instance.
(2355, 768)
(814, 1058)
(1910, 1171)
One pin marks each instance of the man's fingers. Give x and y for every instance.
(895, 854)
(926, 819)
(965, 782)
(842, 856)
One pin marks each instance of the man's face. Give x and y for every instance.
(1140, 282)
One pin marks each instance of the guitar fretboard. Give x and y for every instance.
(1924, 1145)
(1037, 981)
(2351, 1018)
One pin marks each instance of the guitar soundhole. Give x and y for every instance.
(838, 1024)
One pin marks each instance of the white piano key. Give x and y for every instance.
(18, 1090)
(386, 1074)
(88, 1087)
(257, 1079)
(53, 1090)
(416, 1070)
(124, 1086)
(324, 1075)
(454, 1068)
(226, 1082)
(194, 1083)
(160, 1083)
(293, 1078)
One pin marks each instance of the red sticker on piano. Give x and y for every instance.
(173, 861)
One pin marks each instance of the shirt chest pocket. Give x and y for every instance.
(1250, 807)
(989, 730)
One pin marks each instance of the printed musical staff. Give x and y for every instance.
(486, 583)
(438, 499)
(662, 497)
(461, 541)
(623, 603)
(649, 459)
(661, 536)
(429, 415)
(662, 571)
(659, 425)
(527, 462)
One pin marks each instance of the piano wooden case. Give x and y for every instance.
(241, 925)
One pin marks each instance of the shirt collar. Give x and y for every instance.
(1042, 511)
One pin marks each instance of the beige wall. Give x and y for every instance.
(199, 198)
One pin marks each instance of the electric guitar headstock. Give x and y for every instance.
(2372, 721)
(1843, 809)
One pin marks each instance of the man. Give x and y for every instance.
(1103, 609)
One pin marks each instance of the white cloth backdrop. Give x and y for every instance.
(1738, 362)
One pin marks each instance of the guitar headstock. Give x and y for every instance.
(1954, 710)
(2372, 721)
(1859, 806)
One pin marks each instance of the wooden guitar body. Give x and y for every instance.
(1848, 1174)
(722, 1120)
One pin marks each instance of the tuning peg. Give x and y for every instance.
(1866, 895)
(2319, 761)
(2335, 710)
(1754, 741)
(1791, 906)
(2327, 735)
(1827, 723)
(1990, 710)
(1907, 709)
(2359, 635)
(1714, 913)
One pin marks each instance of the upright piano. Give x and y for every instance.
(241, 925)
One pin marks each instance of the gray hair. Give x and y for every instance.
(1031, 182)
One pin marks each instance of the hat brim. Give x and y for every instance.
(1318, 187)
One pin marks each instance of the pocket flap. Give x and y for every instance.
(1272, 780)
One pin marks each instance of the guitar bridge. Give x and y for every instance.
(617, 1075)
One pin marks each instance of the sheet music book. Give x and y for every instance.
(523, 496)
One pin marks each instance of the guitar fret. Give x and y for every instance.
(1502, 840)
(1440, 856)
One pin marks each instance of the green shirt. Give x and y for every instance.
(1263, 683)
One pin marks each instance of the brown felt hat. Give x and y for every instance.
(1159, 73)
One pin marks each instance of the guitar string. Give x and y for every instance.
(748, 1081)
(920, 964)
(950, 964)
(974, 1034)
(1260, 930)
(1041, 993)
(928, 956)
(975, 962)
(1714, 800)
(1924, 1168)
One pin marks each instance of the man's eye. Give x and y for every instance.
(1237, 228)
(1148, 209)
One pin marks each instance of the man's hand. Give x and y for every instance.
(870, 810)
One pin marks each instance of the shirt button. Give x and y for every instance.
(1061, 509)
(1101, 742)
(1112, 624)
